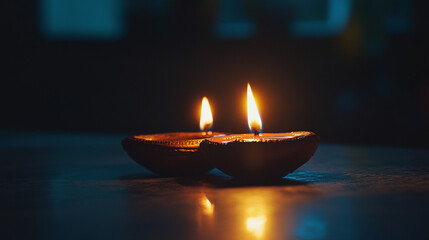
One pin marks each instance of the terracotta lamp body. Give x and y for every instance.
(169, 154)
(267, 156)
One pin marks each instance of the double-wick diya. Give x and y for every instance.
(250, 156)
(173, 154)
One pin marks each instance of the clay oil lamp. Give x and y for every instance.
(176, 153)
(259, 155)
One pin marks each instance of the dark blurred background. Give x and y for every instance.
(352, 71)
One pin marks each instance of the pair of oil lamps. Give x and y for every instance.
(254, 155)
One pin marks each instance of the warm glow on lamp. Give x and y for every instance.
(258, 155)
(206, 119)
(256, 225)
(207, 206)
(253, 119)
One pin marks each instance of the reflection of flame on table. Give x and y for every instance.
(256, 215)
(251, 212)
(207, 206)
(255, 225)
(205, 213)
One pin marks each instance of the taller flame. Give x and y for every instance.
(253, 119)
(206, 119)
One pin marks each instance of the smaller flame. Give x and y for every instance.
(206, 120)
(253, 119)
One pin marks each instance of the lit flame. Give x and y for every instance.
(253, 119)
(207, 206)
(206, 120)
(256, 225)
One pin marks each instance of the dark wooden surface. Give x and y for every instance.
(80, 186)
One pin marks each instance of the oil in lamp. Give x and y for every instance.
(259, 155)
(176, 153)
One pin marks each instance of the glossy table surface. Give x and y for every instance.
(83, 186)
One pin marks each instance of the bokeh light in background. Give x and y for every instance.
(82, 19)
(342, 68)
